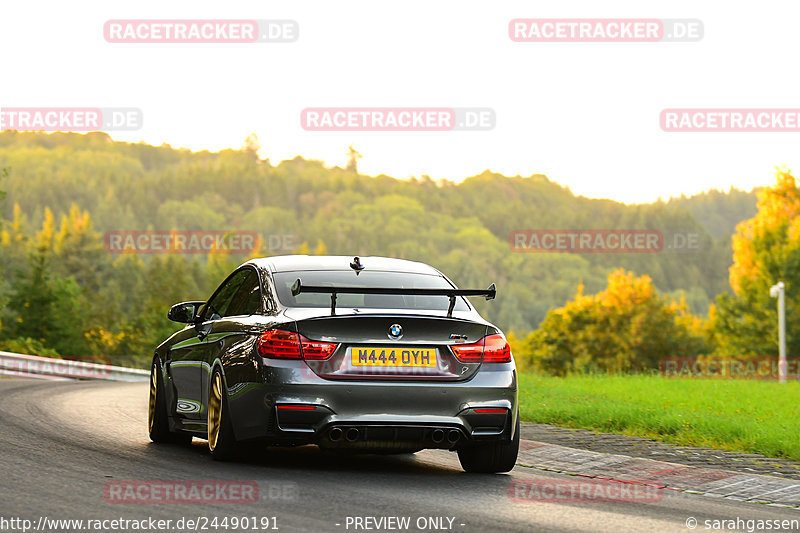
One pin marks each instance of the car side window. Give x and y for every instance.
(219, 305)
(247, 300)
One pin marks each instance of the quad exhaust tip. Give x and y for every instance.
(453, 436)
(335, 435)
(352, 434)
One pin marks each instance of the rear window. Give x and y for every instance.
(327, 278)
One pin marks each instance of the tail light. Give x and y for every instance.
(279, 344)
(469, 353)
(490, 349)
(316, 349)
(497, 349)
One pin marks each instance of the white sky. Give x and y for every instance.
(587, 115)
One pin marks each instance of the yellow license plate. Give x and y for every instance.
(402, 357)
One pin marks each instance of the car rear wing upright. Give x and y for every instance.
(489, 293)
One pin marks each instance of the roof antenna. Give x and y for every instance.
(356, 265)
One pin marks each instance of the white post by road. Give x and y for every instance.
(779, 292)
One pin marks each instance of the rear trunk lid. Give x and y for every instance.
(393, 346)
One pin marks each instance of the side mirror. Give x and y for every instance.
(184, 312)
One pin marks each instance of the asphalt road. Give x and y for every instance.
(63, 443)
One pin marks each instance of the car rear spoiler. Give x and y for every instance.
(489, 294)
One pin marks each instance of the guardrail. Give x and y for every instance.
(32, 366)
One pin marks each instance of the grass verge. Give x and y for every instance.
(740, 415)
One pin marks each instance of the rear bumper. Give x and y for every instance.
(295, 405)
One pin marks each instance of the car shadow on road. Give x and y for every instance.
(438, 464)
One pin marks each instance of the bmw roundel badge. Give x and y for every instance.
(395, 331)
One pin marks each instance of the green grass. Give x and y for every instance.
(741, 415)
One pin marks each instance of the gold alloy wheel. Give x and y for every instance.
(151, 413)
(214, 411)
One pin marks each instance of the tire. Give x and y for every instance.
(494, 457)
(221, 441)
(157, 423)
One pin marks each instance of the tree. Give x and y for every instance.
(766, 249)
(3, 193)
(48, 309)
(252, 146)
(4, 247)
(188, 215)
(79, 251)
(353, 156)
(627, 327)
